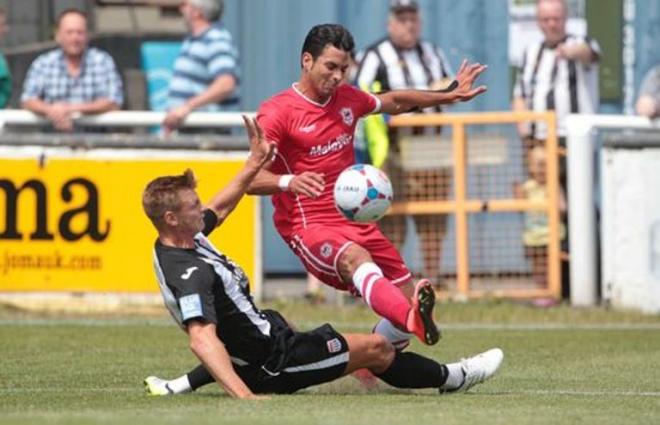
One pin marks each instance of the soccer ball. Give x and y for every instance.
(363, 193)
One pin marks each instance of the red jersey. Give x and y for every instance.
(312, 137)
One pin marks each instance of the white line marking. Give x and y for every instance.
(305, 324)
(578, 393)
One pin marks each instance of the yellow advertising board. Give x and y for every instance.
(75, 222)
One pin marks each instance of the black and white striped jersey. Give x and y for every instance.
(423, 67)
(203, 284)
(394, 68)
(548, 83)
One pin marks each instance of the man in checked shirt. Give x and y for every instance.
(72, 79)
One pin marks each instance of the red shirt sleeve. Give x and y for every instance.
(271, 122)
(365, 103)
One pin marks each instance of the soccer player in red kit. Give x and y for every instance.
(312, 124)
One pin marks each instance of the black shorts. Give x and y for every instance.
(309, 358)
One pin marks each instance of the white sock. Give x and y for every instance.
(179, 385)
(361, 273)
(396, 336)
(455, 378)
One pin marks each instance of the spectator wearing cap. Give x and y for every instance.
(206, 72)
(72, 79)
(648, 102)
(402, 60)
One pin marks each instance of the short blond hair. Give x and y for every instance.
(162, 195)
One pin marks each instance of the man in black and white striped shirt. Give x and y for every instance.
(558, 74)
(403, 61)
(246, 350)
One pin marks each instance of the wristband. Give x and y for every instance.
(285, 181)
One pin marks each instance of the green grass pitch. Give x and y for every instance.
(562, 366)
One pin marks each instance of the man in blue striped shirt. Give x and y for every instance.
(206, 73)
(72, 79)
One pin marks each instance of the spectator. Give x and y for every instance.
(536, 234)
(403, 60)
(5, 76)
(558, 74)
(648, 103)
(72, 79)
(206, 73)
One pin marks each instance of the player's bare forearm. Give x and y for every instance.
(461, 90)
(264, 183)
(401, 101)
(225, 201)
(261, 153)
(307, 183)
(205, 344)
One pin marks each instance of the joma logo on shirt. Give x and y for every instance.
(332, 146)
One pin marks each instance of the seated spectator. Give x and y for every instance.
(206, 74)
(5, 76)
(648, 102)
(72, 79)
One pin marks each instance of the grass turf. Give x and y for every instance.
(562, 365)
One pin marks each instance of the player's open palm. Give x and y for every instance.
(262, 151)
(465, 77)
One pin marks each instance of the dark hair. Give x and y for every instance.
(69, 11)
(322, 35)
(162, 195)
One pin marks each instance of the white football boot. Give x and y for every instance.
(157, 386)
(477, 369)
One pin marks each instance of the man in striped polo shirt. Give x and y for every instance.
(206, 72)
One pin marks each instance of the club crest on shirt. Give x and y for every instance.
(334, 345)
(326, 250)
(347, 115)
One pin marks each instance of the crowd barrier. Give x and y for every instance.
(482, 162)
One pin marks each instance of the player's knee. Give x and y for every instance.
(383, 352)
(351, 259)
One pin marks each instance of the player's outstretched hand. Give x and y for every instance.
(308, 183)
(466, 76)
(262, 151)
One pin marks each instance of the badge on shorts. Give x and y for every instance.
(347, 115)
(334, 345)
(326, 250)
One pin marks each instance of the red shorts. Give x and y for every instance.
(319, 248)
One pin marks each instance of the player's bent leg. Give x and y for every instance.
(398, 338)
(371, 352)
(402, 370)
(355, 264)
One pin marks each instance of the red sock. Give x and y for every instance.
(385, 299)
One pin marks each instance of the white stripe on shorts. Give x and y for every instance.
(323, 364)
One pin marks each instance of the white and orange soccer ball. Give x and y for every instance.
(363, 193)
